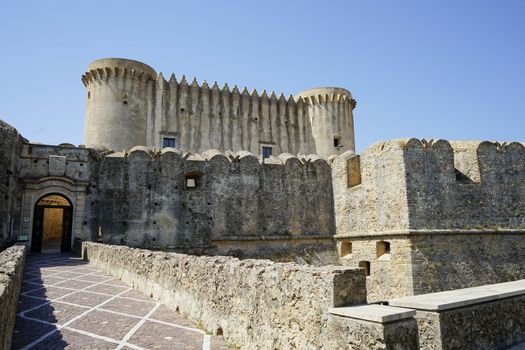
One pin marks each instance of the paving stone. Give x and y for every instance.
(107, 288)
(68, 274)
(65, 271)
(115, 282)
(74, 284)
(26, 303)
(134, 294)
(85, 298)
(28, 287)
(129, 306)
(165, 314)
(86, 270)
(46, 280)
(153, 335)
(94, 278)
(56, 312)
(31, 274)
(66, 339)
(49, 292)
(106, 324)
(50, 271)
(26, 331)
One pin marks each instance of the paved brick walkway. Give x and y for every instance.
(68, 304)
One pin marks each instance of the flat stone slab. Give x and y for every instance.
(373, 313)
(461, 297)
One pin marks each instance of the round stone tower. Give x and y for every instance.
(119, 97)
(330, 111)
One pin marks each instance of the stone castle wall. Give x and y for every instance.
(211, 202)
(446, 191)
(420, 216)
(128, 104)
(459, 260)
(12, 261)
(40, 161)
(451, 214)
(10, 190)
(413, 184)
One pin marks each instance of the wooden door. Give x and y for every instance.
(67, 223)
(38, 228)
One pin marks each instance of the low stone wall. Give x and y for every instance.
(12, 262)
(485, 317)
(256, 304)
(374, 327)
(317, 251)
(10, 189)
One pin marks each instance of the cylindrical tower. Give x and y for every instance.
(119, 97)
(330, 111)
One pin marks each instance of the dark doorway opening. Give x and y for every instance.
(52, 224)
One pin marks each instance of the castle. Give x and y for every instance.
(128, 105)
(184, 167)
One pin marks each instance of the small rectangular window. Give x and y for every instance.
(266, 152)
(193, 180)
(168, 142)
(345, 248)
(366, 266)
(337, 142)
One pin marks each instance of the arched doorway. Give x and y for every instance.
(52, 222)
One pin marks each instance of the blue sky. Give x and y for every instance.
(428, 69)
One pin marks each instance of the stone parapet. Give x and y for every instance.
(374, 327)
(485, 317)
(11, 143)
(173, 200)
(424, 184)
(256, 304)
(12, 262)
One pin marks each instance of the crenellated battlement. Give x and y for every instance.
(195, 116)
(181, 198)
(214, 154)
(326, 95)
(413, 184)
(118, 68)
(123, 68)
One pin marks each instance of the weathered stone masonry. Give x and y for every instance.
(204, 202)
(10, 189)
(430, 216)
(386, 220)
(129, 105)
(258, 304)
(12, 262)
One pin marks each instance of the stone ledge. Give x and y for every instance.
(461, 297)
(414, 232)
(373, 313)
(270, 238)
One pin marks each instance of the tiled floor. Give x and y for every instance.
(67, 304)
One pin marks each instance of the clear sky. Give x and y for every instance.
(449, 69)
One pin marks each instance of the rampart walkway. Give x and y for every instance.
(67, 304)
